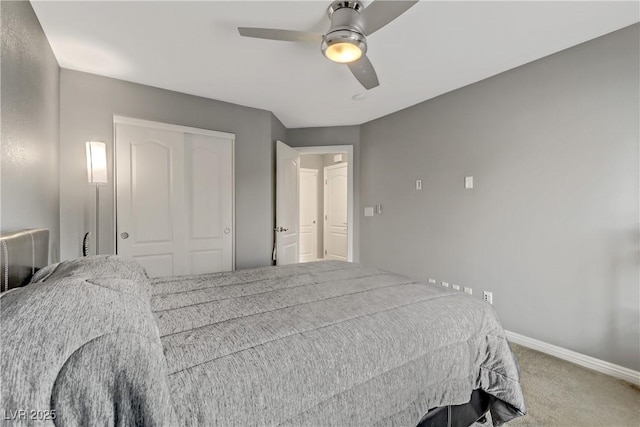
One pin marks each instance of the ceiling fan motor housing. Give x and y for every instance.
(346, 15)
(346, 25)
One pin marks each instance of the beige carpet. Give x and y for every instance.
(559, 393)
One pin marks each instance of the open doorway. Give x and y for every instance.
(324, 206)
(287, 226)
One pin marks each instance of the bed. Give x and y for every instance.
(94, 341)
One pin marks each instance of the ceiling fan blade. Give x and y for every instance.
(284, 35)
(363, 70)
(380, 13)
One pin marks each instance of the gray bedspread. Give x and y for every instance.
(79, 347)
(327, 343)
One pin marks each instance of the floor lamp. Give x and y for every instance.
(97, 174)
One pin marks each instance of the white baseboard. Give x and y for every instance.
(579, 359)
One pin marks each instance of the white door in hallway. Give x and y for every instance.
(308, 215)
(335, 210)
(287, 204)
(174, 199)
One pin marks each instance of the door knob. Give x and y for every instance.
(227, 231)
(124, 235)
(280, 229)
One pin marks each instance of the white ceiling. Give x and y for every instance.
(435, 47)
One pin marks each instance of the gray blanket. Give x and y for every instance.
(80, 347)
(312, 344)
(327, 343)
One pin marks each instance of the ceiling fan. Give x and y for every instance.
(346, 41)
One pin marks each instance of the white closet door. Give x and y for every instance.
(209, 199)
(174, 200)
(150, 198)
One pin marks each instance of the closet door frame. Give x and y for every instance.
(184, 129)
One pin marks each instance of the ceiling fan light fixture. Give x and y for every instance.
(343, 52)
(344, 46)
(345, 42)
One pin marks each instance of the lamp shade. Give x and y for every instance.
(97, 162)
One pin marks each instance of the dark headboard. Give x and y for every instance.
(22, 253)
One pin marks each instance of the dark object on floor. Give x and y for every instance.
(458, 415)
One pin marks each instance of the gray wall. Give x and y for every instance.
(552, 227)
(338, 135)
(328, 159)
(87, 106)
(30, 118)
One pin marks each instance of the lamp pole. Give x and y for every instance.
(97, 218)
(97, 174)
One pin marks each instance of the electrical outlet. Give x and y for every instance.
(445, 284)
(488, 296)
(456, 287)
(468, 290)
(432, 281)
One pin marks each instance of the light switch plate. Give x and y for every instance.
(418, 184)
(468, 182)
(368, 211)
